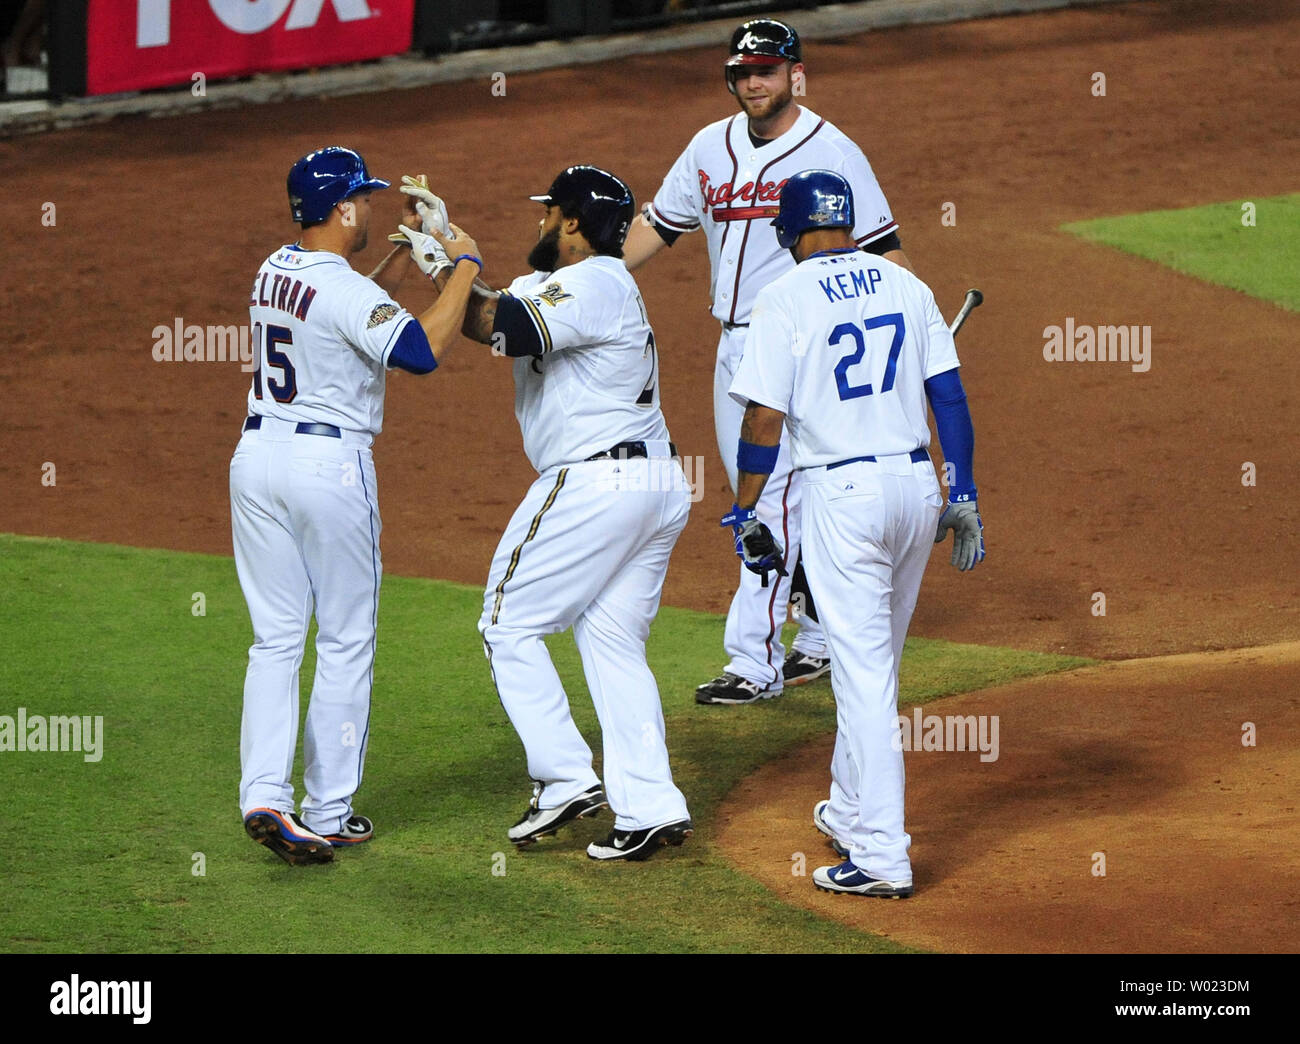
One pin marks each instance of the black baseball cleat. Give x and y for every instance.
(355, 830)
(543, 822)
(638, 845)
(287, 836)
(731, 689)
(800, 668)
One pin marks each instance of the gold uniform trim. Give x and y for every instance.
(532, 532)
(541, 324)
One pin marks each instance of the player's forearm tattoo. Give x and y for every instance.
(481, 314)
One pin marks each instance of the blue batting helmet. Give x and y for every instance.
(813, 199)
(326, 177)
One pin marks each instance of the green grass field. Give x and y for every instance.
(1211, 243)
(101, 857)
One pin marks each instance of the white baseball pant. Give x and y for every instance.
(588, 548)
(757, 613)
(305, 522)
(868, 531)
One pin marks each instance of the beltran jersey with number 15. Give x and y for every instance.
(725, 185)
(322, 332)
(843, 345)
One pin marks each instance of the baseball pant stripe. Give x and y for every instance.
(374, 567)
(532, 532)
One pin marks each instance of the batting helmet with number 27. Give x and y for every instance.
(813, 199)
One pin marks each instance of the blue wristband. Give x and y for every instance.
(755, 459)
(468, 257)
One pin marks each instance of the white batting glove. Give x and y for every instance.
(427, 252)
(432, 210)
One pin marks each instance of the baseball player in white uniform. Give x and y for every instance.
(589, 545)
(845, 350)
(727, 182)
(304, 514)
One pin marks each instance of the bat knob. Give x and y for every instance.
(976, 297)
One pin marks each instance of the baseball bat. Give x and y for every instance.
(974, 299)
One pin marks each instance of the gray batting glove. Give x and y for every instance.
(432, 210)
(427, 252)
(967, 534)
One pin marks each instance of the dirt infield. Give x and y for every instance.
(1196, 829)
(1092, 477)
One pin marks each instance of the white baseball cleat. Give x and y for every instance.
(848, 879)
(819, 821)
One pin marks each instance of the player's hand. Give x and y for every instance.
(755, 544)
(426, 251)
(967, 534)
(424, 205)
(458, 243)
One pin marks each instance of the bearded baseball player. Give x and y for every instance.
(304, 516)
(727, 182)
(589, 544)
(844, 351)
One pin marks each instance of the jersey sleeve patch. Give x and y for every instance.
(553, 294)
(381, 314)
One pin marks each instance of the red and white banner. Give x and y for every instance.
(134, 44)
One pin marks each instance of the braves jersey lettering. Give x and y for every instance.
(850, 376)
(728, 187)
(329, 369)
(574, 401)
(724, 195)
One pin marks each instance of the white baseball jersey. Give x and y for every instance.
(731, 189)
(597, 382)
(322, 333)
(843, 346)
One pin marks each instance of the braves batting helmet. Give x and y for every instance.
(813, 199)
(602, 203)
(326, 177)
(761, 41)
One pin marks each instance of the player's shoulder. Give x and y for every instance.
(715, 133)
(835, 141)
(600, 273)
(599, 280)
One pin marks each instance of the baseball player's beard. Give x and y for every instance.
(546, 254)
(776, 104)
